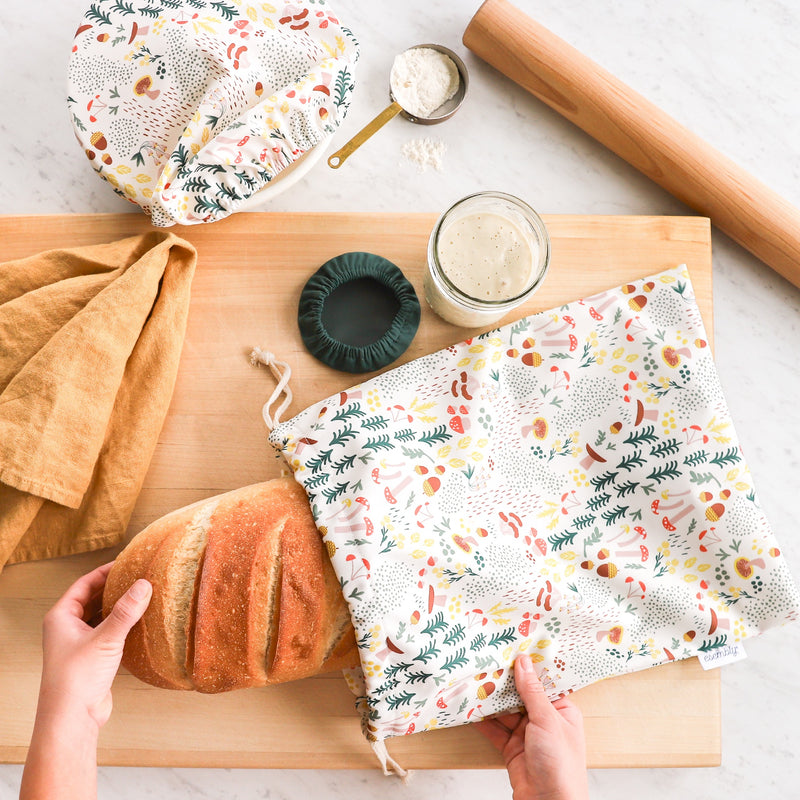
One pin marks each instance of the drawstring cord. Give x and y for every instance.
(282, 372)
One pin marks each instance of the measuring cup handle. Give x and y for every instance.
(338, 158)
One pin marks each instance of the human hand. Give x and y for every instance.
(80, 661)
(544, 749)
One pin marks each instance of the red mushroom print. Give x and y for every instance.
(466, 543)
(672, 355)
(634, 328)
(541, 546)
(435, 599)
(591, 457)
(694, 433)
(643, 413)
(708, 537)
(641, 552)
(599, 303)
(635, 588)
(614, 635)
(571, 342)
(744, 566)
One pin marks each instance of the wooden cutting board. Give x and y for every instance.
(250, 272)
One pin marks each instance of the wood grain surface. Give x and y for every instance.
(678, 160)
(251, 270)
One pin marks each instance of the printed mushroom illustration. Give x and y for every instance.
(672, 355)
(144, 86)
(591, 457)
(614, 635)
(744, 566)
(538, 428)
(642, 413)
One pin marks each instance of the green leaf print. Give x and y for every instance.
(195, 184)
(437, 435)
(403, 699)
(95, 15)
(333, 494)
(347, 412)
(406, 435)
(667, 448)
(455, 635)
(559, 540)
(375, 423)
(478, 643)
(718, 641)
(381, 443)
(431, 651)
(417, 677)
(702, 477)
(645, 435)
(669, 470)
(342, 87)
(316, 464)
(596, 502)
(626, 488)
(151, 11)
(600, 482)
(346, 434)
(700, 457)
(224, 10)
(727, 458)
(629, 462)
(504, 637)
(344, 464)
(615, 515)
(391, 671)
(436, 624)
(458, 659)
(123, 8)
(584, 521)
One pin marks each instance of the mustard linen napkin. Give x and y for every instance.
(90, 340)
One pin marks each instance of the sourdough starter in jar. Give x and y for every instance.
(487, 255)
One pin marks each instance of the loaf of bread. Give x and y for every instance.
(243, 594)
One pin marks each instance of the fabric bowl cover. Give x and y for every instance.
(189, 107)
(569, 486)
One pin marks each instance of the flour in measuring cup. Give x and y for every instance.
(423, 79)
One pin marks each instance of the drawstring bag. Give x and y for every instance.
(568, 486)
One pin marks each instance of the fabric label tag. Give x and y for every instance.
(721, 656)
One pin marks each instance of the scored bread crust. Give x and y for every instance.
(243, 594)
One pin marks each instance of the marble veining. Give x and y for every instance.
(728, 70)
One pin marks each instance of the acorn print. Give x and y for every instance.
(331, 548)
(98, 140)
(607, 570)
(259, 89)
(616, 427)
(106, 158)
(637, 303)
(485, 689)
(587, 564)
(689, 636)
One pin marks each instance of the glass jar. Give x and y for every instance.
(487, 255)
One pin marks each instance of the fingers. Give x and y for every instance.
(80, 594)
(127, 611)
(530, 687)
(496, 733)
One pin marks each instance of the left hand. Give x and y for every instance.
(80, 661)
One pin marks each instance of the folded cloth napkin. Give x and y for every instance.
(90, 340)
(569, 486)
(189, 107)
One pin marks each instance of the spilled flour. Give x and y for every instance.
(424, 153)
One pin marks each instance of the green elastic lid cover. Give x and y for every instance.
(358, 313)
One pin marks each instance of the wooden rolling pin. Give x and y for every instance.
(676, 159)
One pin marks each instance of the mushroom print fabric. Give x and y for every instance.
(189, 107)
(569, 486)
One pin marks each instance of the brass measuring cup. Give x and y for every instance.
(445, 111)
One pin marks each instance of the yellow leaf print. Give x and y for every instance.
(195, 147)
(464, 361)
(340, 45)
(631, 358)
(269, 23)
(252, 14)
(270, 9)
(499, 614)
(618, 352)
(123, 169)
(112, 179)
(537, 657)
(457, 463)
(479, 364)
(543, 644)
(129, 190)
(443, 451)
(618, 368)
(147, 192)
(464, 442)
(284, 107)
(206, 135)
(476, 348)
(142, 178)
(331, 51)
(741, 486)
(418, 554)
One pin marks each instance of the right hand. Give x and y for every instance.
(544, 749)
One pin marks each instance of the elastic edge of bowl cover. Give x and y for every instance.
(335, 273)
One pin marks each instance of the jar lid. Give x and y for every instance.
(358, 312)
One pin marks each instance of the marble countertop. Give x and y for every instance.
(727, 69)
